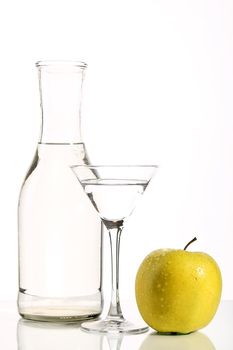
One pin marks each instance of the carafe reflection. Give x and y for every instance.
(59, 336)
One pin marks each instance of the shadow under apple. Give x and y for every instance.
(192, 341)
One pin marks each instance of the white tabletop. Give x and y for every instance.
(17, 334)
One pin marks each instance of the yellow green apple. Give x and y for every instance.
(178, 291)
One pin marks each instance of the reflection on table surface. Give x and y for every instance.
(55, 336)
(52, 336)
(193, 341)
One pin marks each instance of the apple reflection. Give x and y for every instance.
(55, 336)
(193, 341)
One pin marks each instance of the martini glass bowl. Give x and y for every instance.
(114, 192)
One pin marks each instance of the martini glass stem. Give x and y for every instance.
(115, 230)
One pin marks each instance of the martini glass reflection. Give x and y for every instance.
(114, 192)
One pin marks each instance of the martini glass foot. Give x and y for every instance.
(113, 326)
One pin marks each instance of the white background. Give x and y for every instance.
(159, 89)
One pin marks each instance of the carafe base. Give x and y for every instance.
(70, 309)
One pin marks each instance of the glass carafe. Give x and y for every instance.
(60, 235)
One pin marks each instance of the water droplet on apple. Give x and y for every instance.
(200, 271)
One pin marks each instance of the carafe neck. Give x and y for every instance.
(61, 94)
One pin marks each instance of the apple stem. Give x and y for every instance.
(193, 240)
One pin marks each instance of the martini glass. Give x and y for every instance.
(114, 192)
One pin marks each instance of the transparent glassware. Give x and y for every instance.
(60, 237)
(114, 192)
